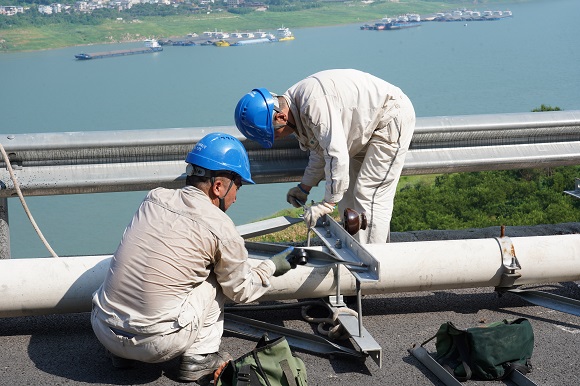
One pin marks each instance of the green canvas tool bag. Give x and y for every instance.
(271, 363)
(489, 352)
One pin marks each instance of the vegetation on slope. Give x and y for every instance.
(472, 200)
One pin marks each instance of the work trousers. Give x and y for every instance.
(373, 181)
(201, 336)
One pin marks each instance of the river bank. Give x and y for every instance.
(122, 31)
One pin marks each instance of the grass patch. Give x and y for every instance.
(297, 232)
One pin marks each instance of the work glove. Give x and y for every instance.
(281, 262)
(295, 195)
(314, 212)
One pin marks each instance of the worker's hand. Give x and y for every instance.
(281, 262)
(297, 194)
(314, 212)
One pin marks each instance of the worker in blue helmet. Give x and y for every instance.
(180, 259)
(357, 129)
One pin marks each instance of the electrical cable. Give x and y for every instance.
(19, 192)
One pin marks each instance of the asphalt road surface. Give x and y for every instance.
(62, 350)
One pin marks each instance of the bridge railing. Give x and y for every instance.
(134, 160)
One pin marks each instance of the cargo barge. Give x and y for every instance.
(150, 46)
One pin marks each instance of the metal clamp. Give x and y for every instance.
(509, 260)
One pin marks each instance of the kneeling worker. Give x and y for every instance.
(180, 258)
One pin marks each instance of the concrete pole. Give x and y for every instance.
(65, 285)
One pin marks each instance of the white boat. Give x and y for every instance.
(414, 17)
(152, 43)
(284, 34)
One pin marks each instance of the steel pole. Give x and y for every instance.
(49, 286)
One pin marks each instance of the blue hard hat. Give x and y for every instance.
(254, 116)
(220, 151)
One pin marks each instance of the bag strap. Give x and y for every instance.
(460, 341)
(259, 366)
(247, 377)
(288, 372)
(514, 366)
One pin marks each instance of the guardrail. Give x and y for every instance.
(134, 160)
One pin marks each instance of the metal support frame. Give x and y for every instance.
(342, 250)
(251, 328)
(344, 246)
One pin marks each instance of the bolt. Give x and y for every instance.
(338, 244)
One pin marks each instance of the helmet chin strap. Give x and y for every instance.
(222, 200)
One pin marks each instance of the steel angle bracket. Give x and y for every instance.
(265, 227)
(426, 359)
(549, 300)
(307, 342)
(342, 245)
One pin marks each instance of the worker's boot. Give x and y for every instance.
(191, 369)
(121, 363)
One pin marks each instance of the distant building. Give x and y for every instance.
(10, 10)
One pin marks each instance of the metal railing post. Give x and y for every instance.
(4, 229)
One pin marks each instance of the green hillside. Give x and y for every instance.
(35, 33)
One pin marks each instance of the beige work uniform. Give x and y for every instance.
(164, 292)
(341, 115)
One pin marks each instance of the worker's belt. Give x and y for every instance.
(122, 333)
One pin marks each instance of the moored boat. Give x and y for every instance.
(221, 43)
(284, 34)
(83, 56)
(401, 25)
(151, 45)
(251, 41)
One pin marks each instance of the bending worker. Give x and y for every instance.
(339, 115)
(180, 258)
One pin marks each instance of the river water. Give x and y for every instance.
(456, 68)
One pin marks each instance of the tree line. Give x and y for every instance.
(34, 18)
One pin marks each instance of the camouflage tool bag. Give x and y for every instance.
(489, 352)
(271, 363)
